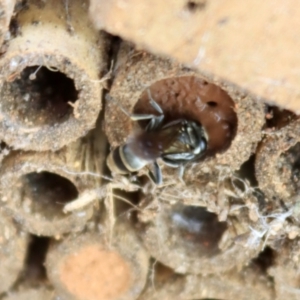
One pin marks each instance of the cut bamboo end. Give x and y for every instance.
(190, 239)
(285, 271)
(50, 77)
(35, 189)
(13, 245)
(165, 284)
(39, 189)
(30, 293)
(277, 164)
(232, 120)
(6, 11)
(87, 267)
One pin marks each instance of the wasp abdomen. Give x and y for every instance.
(123, 161)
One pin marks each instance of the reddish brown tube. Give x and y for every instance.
(232, 119)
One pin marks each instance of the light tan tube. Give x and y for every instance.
(35, 187)
(89, 267)
(13, 245)
(50, 90)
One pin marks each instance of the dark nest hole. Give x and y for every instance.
(34, 270)
(46, 194)
(289, 167)
(198, 228)
(38, 96)
(195, 99)
(264, 260)
(277, 118)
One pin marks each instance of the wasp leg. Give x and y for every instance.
(155, 121)
(178, 157)
(181, 173)
(156, 175)
(154, 104)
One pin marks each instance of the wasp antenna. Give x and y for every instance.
(110, 98)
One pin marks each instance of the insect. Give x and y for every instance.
(176, 143)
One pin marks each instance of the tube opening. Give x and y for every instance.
(198, 228)
(38, 96)
(289, 168)
(46, 193)
(193, 98)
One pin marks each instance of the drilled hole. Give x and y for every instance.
(193, 6)
(194, 99)
(198, 228)
(46, 193)
(212, 104)
(38, 96)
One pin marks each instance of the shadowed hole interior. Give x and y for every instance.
(264, 260)
(277, 117)
(38, 96)
(289, 168)
(35, 270)
(198, 227)
(194, 99)
(46, 193)
(194, 6)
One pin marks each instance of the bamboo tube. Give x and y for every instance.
(35, 187)
(25, 293)
(50, 77)
(233, 120)
(190, 239)
(285, 272)
(244, 285)
(89, 267)
(13, 245)
(6, 11)
(277, 165)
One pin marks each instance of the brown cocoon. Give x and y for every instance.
(190, 239)
(232, 120)
(245, 285)
(277, 164)
(87, 267)
(50, 93)
(13, 248)
(35, 187)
